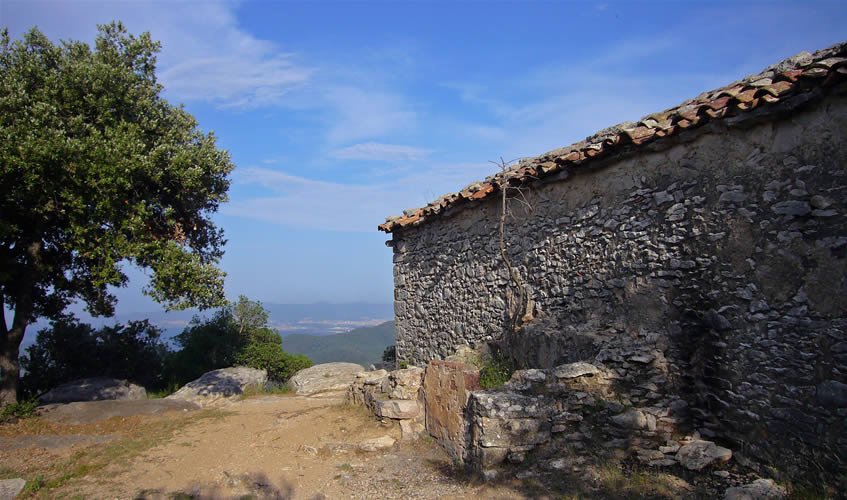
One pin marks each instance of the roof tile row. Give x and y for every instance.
(794, 76)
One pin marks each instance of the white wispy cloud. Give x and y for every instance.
(206, 55)
(297, 201)
(380, 152)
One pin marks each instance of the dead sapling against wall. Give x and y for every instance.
(519, 304)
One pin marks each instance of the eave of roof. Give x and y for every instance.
(794, 76)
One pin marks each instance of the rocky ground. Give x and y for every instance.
(268, 447)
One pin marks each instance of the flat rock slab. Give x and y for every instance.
(327, 377)
(220, 386)
(698, 455)
(760, 489)
(85, 412)
(10, 488)
(52, 441)
(93, 389)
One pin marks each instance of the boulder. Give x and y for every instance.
(221, 386)
(327, 377)
(93, 389)
(10, 488)
(760, 489)
(84, 412)
(698, 454)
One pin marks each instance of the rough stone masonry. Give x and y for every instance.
(720, 250)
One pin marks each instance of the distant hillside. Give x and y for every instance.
(362, 345)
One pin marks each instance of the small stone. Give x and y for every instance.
(760, 489)
(832, 393)
(721, 473)
(824, 213)
(377, 444)
(631, 419)
(759, 306)
(642, 358)
(672, 448)
(732, 197)
(820, 202)
(309, 450)
(792, 207)
(698, 454)
(574, 370)
(11, 488)
(489, 475)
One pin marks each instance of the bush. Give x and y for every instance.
(270, 356)
(14, 411)
(236, 335)
(495, 373)
(71, 350)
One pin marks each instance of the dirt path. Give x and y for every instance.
(283, 447)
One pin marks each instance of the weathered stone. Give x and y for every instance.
(93, 389)
(447, 387)
(760, 489)
(86, 412)
(324, 378)
(10, 488)
(411, 430)
(697, 455)
(397, 408)
(377, 444)
(833, 393)
(405, 383)
(792, 207)
(631, 419)
(221, 386)
(574, 370)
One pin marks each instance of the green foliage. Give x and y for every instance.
(268, 355)
(22, 409)
(71, 350)
(235, 335)
(205, 345)
(98, 170)
(403, 365)
(389, 355)
(495, 373)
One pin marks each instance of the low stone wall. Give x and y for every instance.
(393, 396)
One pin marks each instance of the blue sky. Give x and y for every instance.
(338, 114)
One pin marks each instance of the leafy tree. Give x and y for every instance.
(99, 170)
(72, 350)
(267, 354)
(235, 335)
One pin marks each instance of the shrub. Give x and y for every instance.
(14, 411)
(71, 350)
(495, 373)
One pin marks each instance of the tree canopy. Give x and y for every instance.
(99, 170)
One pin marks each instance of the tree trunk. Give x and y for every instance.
(10, 344)
(9, 369)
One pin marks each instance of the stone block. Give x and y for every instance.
(397, 409)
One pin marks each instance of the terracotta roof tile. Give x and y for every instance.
(794, 76)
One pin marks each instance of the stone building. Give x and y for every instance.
(707, 243)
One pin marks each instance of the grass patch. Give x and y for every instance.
(137, 434)
(13, 412)
(495, 373)
(163, 393)
(267, 390)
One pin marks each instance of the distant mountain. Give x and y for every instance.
(362, 345)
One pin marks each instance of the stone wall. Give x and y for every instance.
(722, 250)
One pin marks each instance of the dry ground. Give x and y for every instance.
(262, 447)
